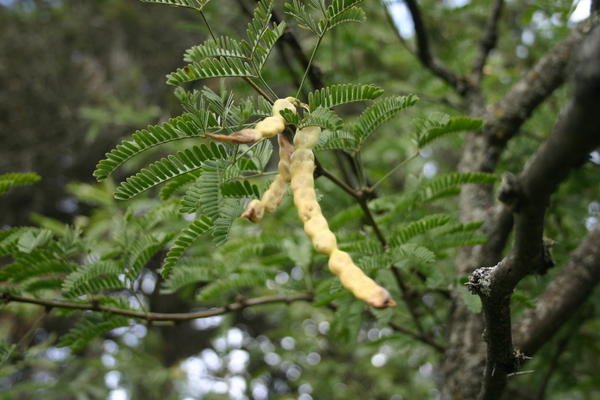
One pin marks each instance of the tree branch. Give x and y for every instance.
(563, 296)
(575, 135)
(155, 317)
(419, 336)
(488, 42)
(502, 122)
(506, 117)
(424, 51)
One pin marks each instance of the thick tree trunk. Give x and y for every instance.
(462, 368)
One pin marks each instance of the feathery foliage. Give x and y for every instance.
(211, 68)
(379, 113)
(93, 278)
(223, 46)
(335, 95)
(183, 127)
(404, 233)
(439, 125)
(14, 179)
(185, 161)
(89, 327)
(337, 13)
(184, 239)
(322, 117)
(195, 4)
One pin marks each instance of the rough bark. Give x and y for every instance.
(563, 296)
(575, 135)
(463, 366)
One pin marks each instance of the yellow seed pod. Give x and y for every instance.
(302, 180)
(303, 155)
(268, 127)
(245, 136)
(354, 279)
(283, 104)
(278, 188)
(308, 139)
(271, 126)
(316, 226)
(254, 211)
(325, 242)
(308, 211)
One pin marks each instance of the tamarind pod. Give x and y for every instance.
(308, 138)
(270, 126)
(289, 103)
(254, 211)
(354, 279)
(317, 229)
(245, 136)
(274, 194)
(266, 128)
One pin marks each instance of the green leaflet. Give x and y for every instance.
(140, 251)
(309, 15)
(437, 126)
(182, 127)
(93, 278)
(340, 12)
(211, 68)
(201, 225)
(322, 117)
(406, 232)
(89, 327)
(234, 283)
(223, 46)
(185, 161)
(377, 114)
(336, 95)
(195, 4)
(240, 189)
(14, 179)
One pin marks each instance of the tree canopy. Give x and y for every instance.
(428, 173)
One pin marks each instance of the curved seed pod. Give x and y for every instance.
(317, 229)
(266, 128)
(274, 194)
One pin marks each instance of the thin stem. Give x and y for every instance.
(208, 26)
(267, 86)
(363, 202)
(258, 89)
(310, 61)
(249, 81)
(391, 171)
(153, 316)
(247, 150)
(262, 174)
(422, 338)
(337, 181)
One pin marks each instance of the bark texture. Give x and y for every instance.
(462, 369)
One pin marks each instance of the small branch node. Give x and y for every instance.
(510, 190)
(480, 281)
(547, 261)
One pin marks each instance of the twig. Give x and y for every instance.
(320, 170)
(420, 337)
(153, 316)
(424, 51)
(310, 61)
(394, 168)
(488, 42)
